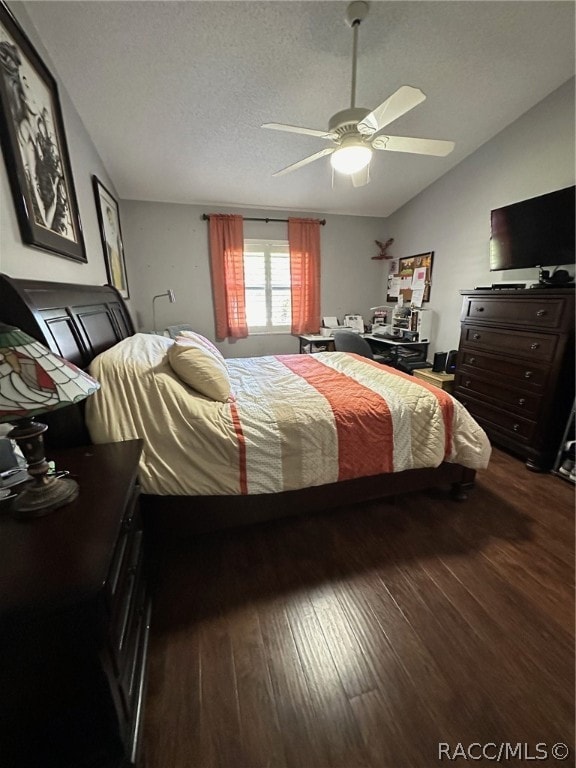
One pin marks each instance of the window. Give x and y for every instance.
(267, 286)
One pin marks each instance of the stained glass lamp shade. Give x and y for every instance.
(34, 381)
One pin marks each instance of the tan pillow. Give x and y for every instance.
(200, 369)
(197, 338)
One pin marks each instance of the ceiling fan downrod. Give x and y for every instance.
(355, 14)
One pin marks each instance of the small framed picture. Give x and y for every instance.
(111, 235)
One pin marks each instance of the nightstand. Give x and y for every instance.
(444, 381)
(74, 620)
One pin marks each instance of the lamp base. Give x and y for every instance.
(38, 499)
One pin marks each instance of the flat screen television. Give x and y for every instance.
(534, 233)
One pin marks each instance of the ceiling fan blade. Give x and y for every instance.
(437, 147)
(298, 129)
(305, 161)
(361, 178)
(402, 101)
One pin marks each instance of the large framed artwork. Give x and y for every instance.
(111, 234)
(34, 146)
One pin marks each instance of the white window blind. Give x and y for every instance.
(267, 285)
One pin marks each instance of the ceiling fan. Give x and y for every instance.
(356, 131)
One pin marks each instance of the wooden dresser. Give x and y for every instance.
(74, 621)
(515, 367)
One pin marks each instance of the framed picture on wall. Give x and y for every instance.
(34, 147)
(111, 235)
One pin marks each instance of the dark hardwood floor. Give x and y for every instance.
(366, 636)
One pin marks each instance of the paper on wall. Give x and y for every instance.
(406, 283)
(417, 297)
(419, 278)
(394, 287)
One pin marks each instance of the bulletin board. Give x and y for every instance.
(405, 277)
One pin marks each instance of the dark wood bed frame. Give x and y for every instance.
(79, 322)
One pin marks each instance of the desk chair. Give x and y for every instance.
(347, 341)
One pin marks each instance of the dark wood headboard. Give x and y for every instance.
(76, 322)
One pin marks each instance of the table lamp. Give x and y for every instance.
(34, 381)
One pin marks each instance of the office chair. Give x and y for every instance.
(347, 341)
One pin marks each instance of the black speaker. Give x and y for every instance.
(439, 363)
(451, 361)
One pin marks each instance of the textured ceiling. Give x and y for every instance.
(173, 93)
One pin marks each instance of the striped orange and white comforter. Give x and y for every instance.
(296, 421)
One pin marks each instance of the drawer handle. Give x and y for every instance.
(522, 401)
(472, 360)
(516, 427)
(528, 375)
(476, 336)
(541, 312)
(479, 309)
(536, 345)
(127, 524)
(467, 383)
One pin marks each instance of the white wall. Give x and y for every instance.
(18, 259)
(532, 156)
(167, 247)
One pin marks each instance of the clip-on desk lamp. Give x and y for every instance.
(170, 294)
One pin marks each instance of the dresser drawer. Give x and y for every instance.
(137, 633)
(530, 346)
(496, 392)
(526, 312)
(492, 418)
(120, 551)
(522, 374)
(124, 602)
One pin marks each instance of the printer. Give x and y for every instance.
(329, 325)
(354, 323)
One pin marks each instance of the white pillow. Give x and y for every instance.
(198, 367)
(201, 340)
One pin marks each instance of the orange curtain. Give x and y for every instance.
(227, 266)
(304, 243)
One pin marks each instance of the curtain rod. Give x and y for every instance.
(206, 217)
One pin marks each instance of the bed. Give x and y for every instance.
(237, 462)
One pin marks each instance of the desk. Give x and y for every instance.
(395, 348)
(315, 342)
(312, 342)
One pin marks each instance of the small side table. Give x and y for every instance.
(444, 381)
(315, 342)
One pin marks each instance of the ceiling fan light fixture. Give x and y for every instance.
(351, 158)
(355, 132)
